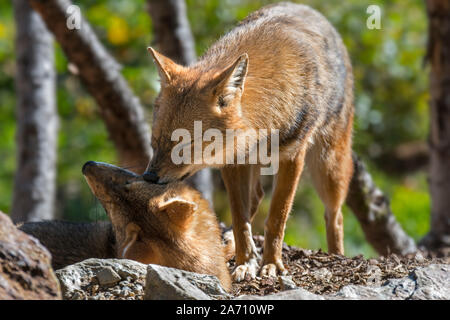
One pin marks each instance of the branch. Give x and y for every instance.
(438, 56)
(171, 29)
(37, 120)
(371, 208)
(100, 73)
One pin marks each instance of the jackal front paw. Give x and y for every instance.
(245, 270)
(273, 269)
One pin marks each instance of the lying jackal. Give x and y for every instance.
(169, 225)
(284, 67)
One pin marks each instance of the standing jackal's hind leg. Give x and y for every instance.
(331, 169)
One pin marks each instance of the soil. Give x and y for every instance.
(323, 273)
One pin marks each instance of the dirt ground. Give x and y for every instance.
(323, 273)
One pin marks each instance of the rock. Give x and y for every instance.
(433, 282)
(107, 276)
(174, 284)
(25, 266)
(395, 289)
(286, 283)
(94, 279)
(424, 283)
(419, 257)
(296, 294)
(322, 273)
(375, 275)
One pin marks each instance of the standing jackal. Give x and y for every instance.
(284, 67)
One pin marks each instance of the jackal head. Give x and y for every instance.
(189, 95)
(148, 219)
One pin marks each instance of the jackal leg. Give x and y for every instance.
(282, 197)
(245, 193)
(331, 168)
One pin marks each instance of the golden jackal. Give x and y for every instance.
(284, 67)
(170, 225)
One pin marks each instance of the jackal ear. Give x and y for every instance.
(166, 67)
(131, 235)
(178, 210)
(232, 78)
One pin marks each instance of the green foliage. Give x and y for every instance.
(390, 100)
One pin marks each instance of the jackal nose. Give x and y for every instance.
(87, 165)
(150, 176)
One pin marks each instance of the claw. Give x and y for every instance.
(245, 270)
(273, 269)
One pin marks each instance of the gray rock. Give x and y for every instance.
(419, 257)
(286, 283)
(107, 276)
(375, 275)
(433, 282)
(395, 289)
(75, 277)
(354, 292)
(424, 283)
(296, 294)
(174, 284)
(322, 273)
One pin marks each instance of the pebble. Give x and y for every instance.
(76, 296)
(286, 283)
(107, 276)
(419, 257)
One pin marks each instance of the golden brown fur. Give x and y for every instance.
(284, 67)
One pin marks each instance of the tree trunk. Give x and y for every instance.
(172, 31)
(371, 208)
(438, 55)
(173, 38)
(100, 73)
(37, 120)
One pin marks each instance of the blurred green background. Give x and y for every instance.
(391, 94)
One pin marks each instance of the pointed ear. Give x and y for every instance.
(231, 80)
(134, 248)
(179, 210)
(131, 235)
(166, 67)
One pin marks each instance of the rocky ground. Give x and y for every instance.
(103, 279)
(322, 273)
(314, 271)
(25, 273)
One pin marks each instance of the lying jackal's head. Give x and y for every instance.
(188, 95)
(169, 225)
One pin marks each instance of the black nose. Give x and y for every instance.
(150, 176)
(86, 165)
